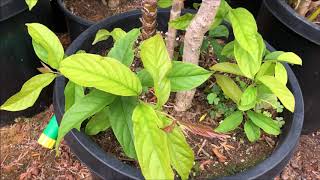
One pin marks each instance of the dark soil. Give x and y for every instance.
(95, 10)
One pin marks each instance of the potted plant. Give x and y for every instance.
(114, 91)
(17, 59)
(82, 14)
(292, 32)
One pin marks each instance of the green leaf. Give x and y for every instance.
(248, 99)
(72, 93)
(103, 73)
(182, 22)
(187, 76)
(156, 61)
(29, 93)
(104, 34)
(228, 50)
(145, 78)
(280, 90)
(267, 68)
(46, 44)
(31, 3)
(266, 96)
(227, 67)
(123, 48)
(280, 73)
(121, 122)
(252, 131)
(229, 87)
(264, 122)
(222, 13)
(98, 123)
(244, 28)
(181, 155)
(219, 31)
(86, 107)
(289, 57)
(151, 144)
(230, 123)
(164, 3)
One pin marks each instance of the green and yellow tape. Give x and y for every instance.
(49, 136)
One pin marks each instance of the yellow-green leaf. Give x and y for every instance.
(46, 44)
(227, 67)
(29, 93)
(151, 144)
(229, 87)
(230, 123)
(98, 123)
(252, 131)
(280, 73)
(72, 93)
(104, 34)
(267, 68)
(280, 90)
(104, 73)
(288, 57)
(164, 3)
(248, 99)
(181, 22)
(31, 3)
(267, 124)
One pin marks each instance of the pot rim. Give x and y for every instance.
(275, 159)
(69, 14)
(298, 24)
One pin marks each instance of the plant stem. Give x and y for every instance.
(175, 12)
(314, 15)
(149, 18)
(192, 43)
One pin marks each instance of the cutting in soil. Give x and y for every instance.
(192, 102)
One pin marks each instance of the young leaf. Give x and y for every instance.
(31, 3)
(252, 131)
(103, 73)
(244, 28)
(164, 3)
(229, 87)
(46, 44)
(219, 31)
(267, 68)
(186, 76)
(156, 61)
(289, 57)
(182, 22)
(280, 73)
(120, 117)
(86, 107)
(29, 93)
(228, 50)
(181, 155)
(230, 123)
(72, 93)
(248, 99)
(264, 122)
(266, 96)
(104, 34)
(227, 67)
(145, 78)
(151, 144)
(98, 123)
(122, 49)
(280, 90)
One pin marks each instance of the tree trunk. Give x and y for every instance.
(149, 18)
(303, 7)
(192, 43)
(175, 12)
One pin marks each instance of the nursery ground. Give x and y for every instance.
(22, 158)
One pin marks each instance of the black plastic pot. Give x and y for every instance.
(284, 29)
(252, 5)
(107, 166)
(76, 24)
(18, 61)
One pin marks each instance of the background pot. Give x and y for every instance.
(252, 5)
(18, 61)
(76, 24)
(107, 166)
(284, 29)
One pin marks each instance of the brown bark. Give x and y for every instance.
(303, 7)
(192, 43)
(175, 12)
(149, 18)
